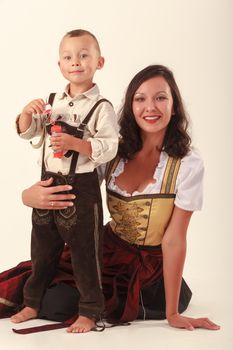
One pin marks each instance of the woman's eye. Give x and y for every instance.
(161, 98)
(139, 99)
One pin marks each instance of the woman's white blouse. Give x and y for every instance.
(189, 182)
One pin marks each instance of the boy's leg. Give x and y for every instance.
(85, 241)
(86, 263)
(46, 248)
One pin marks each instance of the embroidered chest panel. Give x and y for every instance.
(143, 219)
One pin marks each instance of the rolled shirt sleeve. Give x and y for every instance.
(35, 129)
(104, 143)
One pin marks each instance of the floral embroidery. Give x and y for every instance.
(129, 224)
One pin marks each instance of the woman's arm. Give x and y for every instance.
(42, 195)
(174, 251)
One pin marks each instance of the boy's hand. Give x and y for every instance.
(36, 106)
(25, 119)
(62, 142)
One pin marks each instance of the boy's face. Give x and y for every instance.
(79, 58)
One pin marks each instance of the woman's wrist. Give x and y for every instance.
(170, 315)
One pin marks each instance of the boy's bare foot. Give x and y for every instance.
(81, 325)
(25, 314)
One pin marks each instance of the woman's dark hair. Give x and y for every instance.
(177, 140)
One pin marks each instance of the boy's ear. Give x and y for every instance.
(100, 62)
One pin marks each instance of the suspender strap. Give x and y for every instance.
(170, 175)
(51, 98)
(80, 132)
(50, 101)
(83, 124)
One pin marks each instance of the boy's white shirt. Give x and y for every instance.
(101, 131)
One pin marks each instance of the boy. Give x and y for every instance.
(81, 112)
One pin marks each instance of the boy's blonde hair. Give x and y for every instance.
(81, 32)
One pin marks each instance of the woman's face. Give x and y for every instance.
(153, 105)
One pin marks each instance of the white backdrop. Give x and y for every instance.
(194, 38)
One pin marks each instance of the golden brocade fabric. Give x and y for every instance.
(143, 219)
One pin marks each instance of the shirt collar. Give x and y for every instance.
(92, 93)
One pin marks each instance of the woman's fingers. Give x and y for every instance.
(57, 205)
(190, 323)
(205, 323)
(179, 321)
(61, 197)
(189, 326)
(61, 188)
(50, 197)
(55, 189)
(45, 183)
(55, 200)
(184, 324)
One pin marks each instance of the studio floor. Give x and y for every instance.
(138, 335)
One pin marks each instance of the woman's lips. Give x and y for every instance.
(151, 119)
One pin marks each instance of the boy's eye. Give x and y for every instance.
(67, 57)
(83, 55)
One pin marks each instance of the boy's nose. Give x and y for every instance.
(75, 61)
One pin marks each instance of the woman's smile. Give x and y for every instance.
(151, 119)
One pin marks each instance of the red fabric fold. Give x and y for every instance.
(127, 269)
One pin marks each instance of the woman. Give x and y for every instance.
(153, 187)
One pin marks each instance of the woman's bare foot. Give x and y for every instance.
(81, 325)
(25, 314)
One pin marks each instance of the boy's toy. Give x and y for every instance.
(54, 130)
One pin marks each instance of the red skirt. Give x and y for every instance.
(127, 269)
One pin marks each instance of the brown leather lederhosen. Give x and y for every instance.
(80, 226)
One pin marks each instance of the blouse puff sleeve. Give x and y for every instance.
(189, 185)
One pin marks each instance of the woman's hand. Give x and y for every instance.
(190, 323)
(41, 196)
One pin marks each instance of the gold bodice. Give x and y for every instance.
(143, 219)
